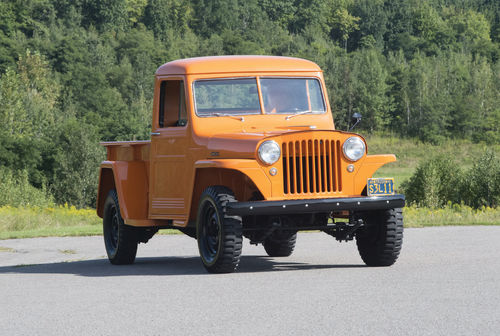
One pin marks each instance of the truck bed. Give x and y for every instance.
(127, 150)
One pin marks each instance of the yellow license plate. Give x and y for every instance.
(380, 186)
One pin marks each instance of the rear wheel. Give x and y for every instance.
(120, 239)
(219, 235)
(379, 241)
(280, 244)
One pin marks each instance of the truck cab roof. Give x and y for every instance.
(233, 64)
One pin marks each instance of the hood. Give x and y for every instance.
(243, 144)
(234, 145)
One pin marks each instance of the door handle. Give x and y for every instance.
(154, 133)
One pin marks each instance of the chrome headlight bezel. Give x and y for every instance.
(269, 152)
(354, 148)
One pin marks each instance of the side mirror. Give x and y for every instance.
(356, 118)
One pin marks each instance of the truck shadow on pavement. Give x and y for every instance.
(163, 266)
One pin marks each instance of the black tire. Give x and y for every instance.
(120, 239)
(280, 244)
(379, 241)
(219, 235)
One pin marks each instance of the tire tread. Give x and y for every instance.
(126, 250)
(382, 247)
(232, 235)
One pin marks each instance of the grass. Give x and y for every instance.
(30, 221)
(60, 221)
(450, 215)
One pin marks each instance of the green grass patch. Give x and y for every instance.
(32, 221)
(61, 221)
(450, 215)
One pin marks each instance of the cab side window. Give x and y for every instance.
(172, 104)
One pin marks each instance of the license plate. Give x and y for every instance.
(380, 186)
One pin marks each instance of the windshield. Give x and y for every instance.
(239, 96)
(226, 97)
(292, 95)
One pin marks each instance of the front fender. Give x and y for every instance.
(369, 165)
(248, 167)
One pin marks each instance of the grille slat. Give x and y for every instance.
(318, 165)
(301, 166)
(323, 161)
(339, 179)
(306, 163)
(294, 165)
(333, 185)
(328, 167)
(311, 167)
(286, 175)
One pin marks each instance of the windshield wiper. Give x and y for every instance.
(298, 113)
(229, 115)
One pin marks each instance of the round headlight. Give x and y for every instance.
(269, 152)
(354, 148)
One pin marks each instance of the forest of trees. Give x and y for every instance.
(76, 72)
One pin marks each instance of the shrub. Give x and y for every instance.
(434, 183)
(16, 190)
(481, 183)
(439, 180)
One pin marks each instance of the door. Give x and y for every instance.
(170, 140)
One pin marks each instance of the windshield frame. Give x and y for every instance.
(260, 96)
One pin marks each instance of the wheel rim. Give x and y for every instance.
(209, 233)
(112, 229)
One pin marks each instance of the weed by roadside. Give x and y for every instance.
(33, 221)
(451, 214)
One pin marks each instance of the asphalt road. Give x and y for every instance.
(446, 282)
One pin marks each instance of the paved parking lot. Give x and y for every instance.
(446, 282)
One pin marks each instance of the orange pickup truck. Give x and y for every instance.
(245, 146)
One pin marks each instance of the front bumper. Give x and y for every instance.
(323, 205)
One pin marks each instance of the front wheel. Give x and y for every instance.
(379, 241)
(219, 235)
(119, 239)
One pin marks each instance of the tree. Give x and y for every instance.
(162, 16)
(105, 14)
(41, 92)
(279, 11)
(75, 162)
(372, 24)
(13, 115)
(135, 10)
(343, 24)
(372, 99)
(432, 103)
(28, 97)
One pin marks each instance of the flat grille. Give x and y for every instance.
(311, 166)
